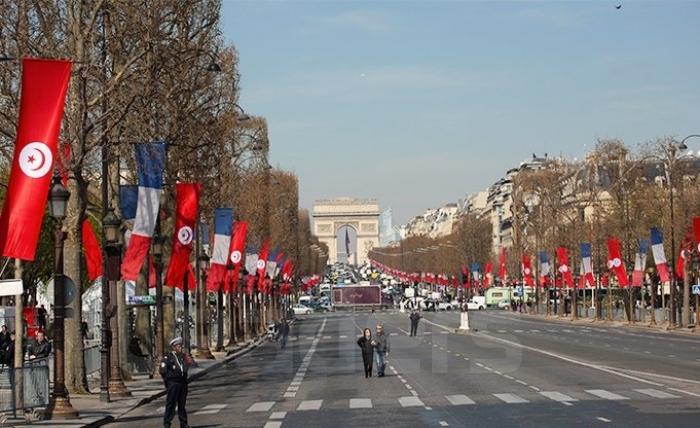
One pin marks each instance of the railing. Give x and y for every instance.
(24, 387)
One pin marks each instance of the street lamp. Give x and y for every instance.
(203, 350)
(157, 249)
(110, 227)
(59, 405)
(113, 251)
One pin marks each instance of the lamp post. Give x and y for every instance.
(113, 250)
(59, 405)
(203, 350)
(110, 227)
(157, 249)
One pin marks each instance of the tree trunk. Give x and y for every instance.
(168, 315)
(76, 379)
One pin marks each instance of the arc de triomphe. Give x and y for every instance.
(362, 215)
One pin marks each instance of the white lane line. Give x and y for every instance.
(459, 400)
(410, 402)
(326, 337)
(278, 415)
(273, 424)
(671, 356)
(293, 388)
(428, 332)
(518, 331)
(603, 419)
(414, 393)
(521, 382)
(684, 392)
(408, 386)
(458, 355)
(498, 373)
(444, 332)
(606, 394)
(479, 364)
(310, 405)
(557, 396)
(342, 336)
(390, 334)
(290, 394)
(261, 406)
(360, 403)
(534, 388)
(500, 331)
(508, 377)
(295, 383)
(510, 398)
(444, 424)
(656, 393)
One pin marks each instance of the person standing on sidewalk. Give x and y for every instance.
(173, 369)
(382, 348)
(283, 332)
(415, 317)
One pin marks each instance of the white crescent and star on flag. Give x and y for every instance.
(236, 256)
(184, 235)
(35, 159)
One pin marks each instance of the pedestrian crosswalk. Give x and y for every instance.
(415, 401)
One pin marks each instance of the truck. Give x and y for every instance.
(350, 296)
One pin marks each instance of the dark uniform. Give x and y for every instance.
(415, 317)
(173, 369)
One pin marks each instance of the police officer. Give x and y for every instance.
(173, 369)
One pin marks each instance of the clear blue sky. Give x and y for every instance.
(418, 103)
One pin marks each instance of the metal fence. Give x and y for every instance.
(24, 387)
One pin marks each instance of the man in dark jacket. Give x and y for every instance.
(283, 332)
(39, 348)
(415, 317)
(173, 369)
(381, 348)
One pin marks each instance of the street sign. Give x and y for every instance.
(142, 300)
(11, 287)
(696, 289)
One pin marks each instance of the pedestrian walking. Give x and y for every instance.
(415, 317)
(173, 369)
(284, 333)
(381, 348)
(365, 343)
(41, 317)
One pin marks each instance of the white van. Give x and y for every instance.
(305, 300)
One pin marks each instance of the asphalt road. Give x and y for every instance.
(511, 371)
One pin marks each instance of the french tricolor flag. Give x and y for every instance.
(586, 264)
(657, 249)
(223, 222)
(150, 164)
(640, 260)
(544, 267)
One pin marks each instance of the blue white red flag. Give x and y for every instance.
(587, 264)
(657, 250)
(544, 267)
(640, 261)
(223, 224)
(150, 164)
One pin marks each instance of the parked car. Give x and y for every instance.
(504, 304)
(475, 305)
(447, 306)
(301, 310)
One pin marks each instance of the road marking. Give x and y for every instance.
(360, 403)
(428, 332)
(508, 377)
(410, 402)
(403, 380)
(534, 388)
(290, 394)
(342, 336)
(510, 398)
(656, 393)
(521, 382)
(310, 405)
(557, 396)
(684, 392)
(261, 406)
(273, 424)
(459, 400)
(408, 386)
(603, 419)
(458, 355)
(502, 331)
(444, 332)
(606, 394)
(278, 415)
(293, 388)
(393, 334)
(295, 383)
(518, 331)
(671, 356)
(444, 424)
(534, 331)
(210, 409)
(479, 364)
(414, 393)
(498, 373)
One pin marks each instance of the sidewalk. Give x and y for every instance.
(660, 327)
(95, 413)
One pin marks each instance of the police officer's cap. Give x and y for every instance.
(176, 341)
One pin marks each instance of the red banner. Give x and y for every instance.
(564, 268)
(93, 252)
(240, 229)
(527, 271)
(187, 204)
(615, 263)
(44, 85)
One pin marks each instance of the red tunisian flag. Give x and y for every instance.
(488, 269)
(262, 263)
(93, 252)
(187, 205)
(615, 262)
(564, 268)
(44, 85)
(502, 265)
(527, 271)
(240, 229)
